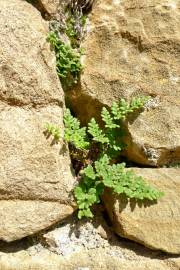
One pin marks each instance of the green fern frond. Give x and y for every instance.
(108, 119)
(73, 133)
(121, 109)
(96, 133)
(54, 131)
(103, 172)
(68, 62)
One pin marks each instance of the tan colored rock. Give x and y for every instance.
(92, 260)
(132, 49)
(71, 248)
(35, 175)
(52, 8)
(20, 218)
(155, 225)
(49, 6)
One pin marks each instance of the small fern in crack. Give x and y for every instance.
(103, 170)
(114, 176)
(67, 60)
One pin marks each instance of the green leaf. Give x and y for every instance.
(73, 133)
(67, 59)
(53, 130)
(85, 213)
(89, 172)
(109, 121)
(96, 132)
(121, 109)
(79, 193)
(101, 166)
(138, 102)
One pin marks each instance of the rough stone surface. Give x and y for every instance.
(51, 9)
(49, 6)
(20, 218)
(133, 49)
(155, 225)
(96, 253)
(83, 261)
(77, 235)
(35, 176)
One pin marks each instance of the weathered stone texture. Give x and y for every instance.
(155, 225)
(92, 260)
(35, 176)
(49, 6)
(132, 49)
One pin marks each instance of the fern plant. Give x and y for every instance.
(73, 133)
(103, 170)
(67, 60)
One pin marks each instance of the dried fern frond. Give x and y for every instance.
(84, 5)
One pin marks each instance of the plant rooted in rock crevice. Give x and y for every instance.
(103, 169)
(67, 60)
(66, 34)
